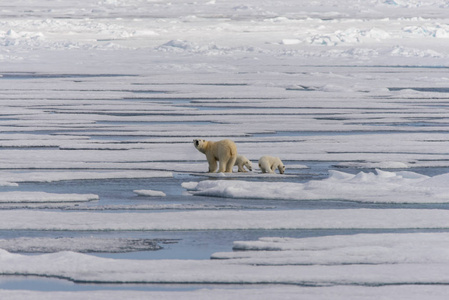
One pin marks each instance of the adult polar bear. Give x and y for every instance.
(224, 151)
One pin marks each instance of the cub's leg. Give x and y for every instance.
(265, 167)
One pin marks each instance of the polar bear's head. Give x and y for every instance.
(200, 145)
(248, 164)
(281, 168)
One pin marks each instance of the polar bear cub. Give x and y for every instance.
(224, 151)
(242, 162)
(269, 163)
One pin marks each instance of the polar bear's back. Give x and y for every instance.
(269, 159)
(224, 148)
(269, 163)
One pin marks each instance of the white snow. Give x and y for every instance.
(379, 187)
(80, 244)
(150, 193)
(376, 165)
(407, 248)
(51, 176)
(116, 89)
(224, 220)
(42, 197)
(256, 293)
(370, 260)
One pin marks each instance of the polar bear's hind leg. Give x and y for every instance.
(230, 163)
(222, 166)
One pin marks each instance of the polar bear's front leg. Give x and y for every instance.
(212, 164)
(222, 166)
(241, 169)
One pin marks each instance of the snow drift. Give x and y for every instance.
(379, 187)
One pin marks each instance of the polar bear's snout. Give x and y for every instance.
(197, 143)
(281, 169)
(248, 165)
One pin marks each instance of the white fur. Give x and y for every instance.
(224, 152)
(241, 162)
(268, 164)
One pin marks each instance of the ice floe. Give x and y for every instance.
(376, 165)
(227, 219)
(363, 260)
(345, 292)
(150, 193)
(51, 176)
(406, 248)
(116, 89)
(379, 187)
(43, 197)
(363, 266)
(83, 245)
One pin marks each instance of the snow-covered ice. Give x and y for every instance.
(150, 193)
(406, 248)
(83, 245)
(228, 220)
(371, 260)
(272, 292)
(379, 187)
(39, 197)
(100, 101)
(12, 178)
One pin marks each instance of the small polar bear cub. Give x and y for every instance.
(241, 162)
(268, 164)
(224, 151)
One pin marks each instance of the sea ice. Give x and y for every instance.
(362, 260)
(382, 187)
(411, 292)
(79, 244)
(150, 193)
(42, 197)
(406, 248)
(116, 89)
(50, 176)
(227, 219)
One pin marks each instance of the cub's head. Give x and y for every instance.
(281, 168)
(199, 144)
(248, 164)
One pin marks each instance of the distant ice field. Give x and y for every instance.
(102, 194)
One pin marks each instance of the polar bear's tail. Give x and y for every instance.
(233, 152)
(232, 159)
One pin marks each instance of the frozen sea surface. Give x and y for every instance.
(103, 196)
